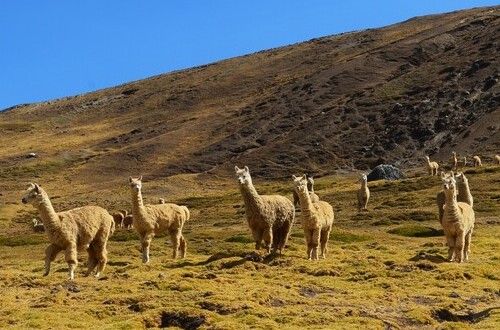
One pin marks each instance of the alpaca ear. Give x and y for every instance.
(304, 177)
(246, 169)
(294, 177)
(129, 179)
(37, 188)
(140, 178)
(236, 168)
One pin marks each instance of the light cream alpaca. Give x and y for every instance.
(463, 193)
(317, 219)
(118, 218)
(477, 161)
(454, 161)
(432, 167)
(497, 159)
(363, 193)
(149, 220)
(269, 217)
(83, 228)
(37, 226)
(310, 187)
(458, 221)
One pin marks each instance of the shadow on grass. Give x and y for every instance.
(434, 258)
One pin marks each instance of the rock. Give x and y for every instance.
(387, 172)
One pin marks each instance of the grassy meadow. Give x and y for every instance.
(385, 268)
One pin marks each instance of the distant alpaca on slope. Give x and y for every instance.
(149, 220)
(497, 159)
(269, 217)
(477, 161)
(310, 187)
(432, 167)
(363, 193)
(37, 226)
(128, 222)
(458, 221)
(317, 219)
(83, 228)
(118, 218)
(454, 161)
(463, 193)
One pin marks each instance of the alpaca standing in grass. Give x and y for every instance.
(149, 220)
(458, 221)
(363, 193)
(128, 222)
(497, 159)
(454, 161)
(37, 226)
(463, 193)
(317, 219)
(118, 218)
(310, 187)
(83, 228)
(270, 217)
(432, 167)
(477, 161)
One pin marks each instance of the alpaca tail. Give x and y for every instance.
(186, 213)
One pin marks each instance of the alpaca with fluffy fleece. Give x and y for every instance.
(118, 218)
(477, 161)
(270, 217)
(463, 193)
(83, 228)
(128, 221)
(432, 167)
(363, 193)
(317, 219)
(149, 220)
(310, 187)
(458, 221)
(497, 159)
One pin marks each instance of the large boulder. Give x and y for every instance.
(387, 172)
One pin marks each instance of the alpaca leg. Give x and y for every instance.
(308, 236)
(459, 248)
(450, 241)
(101, 254)
(283, 237)
(92, 262)
(145, 243)
(315, 243)
(183, 247)
(257, 236)
(50, 254)
(324, 241)
(268, 238)
(467, 245)
(72, 260)
(175, 238)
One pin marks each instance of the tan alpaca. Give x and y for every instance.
(37, 226)
(454, 161)
(128, 222)
(458, 221)
(497, 159)
(477, 161)
(310, 187)
(317, 219)
(363, 193)
(269, 217)
(149, 220)
(463, 193)
(118, 218)
(432, 167)
(83, 228)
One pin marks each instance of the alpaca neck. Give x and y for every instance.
(48, 215)
(451, 205)
(305, 202)
(137, 203)
(250, 195)
(463, 188)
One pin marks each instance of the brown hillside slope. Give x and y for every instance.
(425, 86)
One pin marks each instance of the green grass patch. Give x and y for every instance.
(239, 239)
(22, 240)
(124, 236)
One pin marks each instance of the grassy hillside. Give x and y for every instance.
(385, 268)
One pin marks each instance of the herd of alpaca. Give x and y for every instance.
(270, 219)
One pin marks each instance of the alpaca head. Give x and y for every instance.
(310, 182)
(460, 178)
(243, 175)
(34, 194)
(427, 158)
(363, 179)
(135, 183)
(300, 183)
(449, 183)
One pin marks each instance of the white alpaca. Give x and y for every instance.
(310, 187)
(477, 161)
(363, 193)
(317, 219)
(37, 226)
(149, 220)
(270, 217)
(432, 167)
(83, 228)
(454, 161)
(497, 159)
(458, 221)
(463, 193)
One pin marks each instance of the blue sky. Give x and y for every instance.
(57, 48)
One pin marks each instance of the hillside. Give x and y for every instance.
(351, 101)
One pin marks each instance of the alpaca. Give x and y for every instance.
(149, 220)
(37, 226)
(458, 221)
(454, 161)
(310, 187)
(161, 201)
(83, 228)
(477, 161)
(463, 193)
(432, 167)
(118, 218)
(270, 217)
(497, 159)
(317, 219)
(128, 221)
(363, 193)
